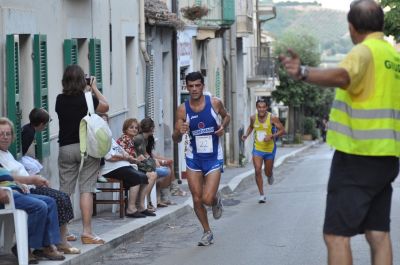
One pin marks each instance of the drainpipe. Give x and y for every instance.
(142, 32)
(175, 88)
(234, 100)
(227, 92)
(110, 40)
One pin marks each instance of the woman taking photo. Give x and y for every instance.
(71, 108)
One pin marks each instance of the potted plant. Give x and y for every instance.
(194, 12)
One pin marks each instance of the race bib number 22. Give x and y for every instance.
(204, 144)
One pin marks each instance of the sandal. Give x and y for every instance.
(169, 202)
(161, 205)
(135, 215)
(32, 259)
(48, 254)
(72, 237)
(92, 240)
(150, 207)
(151, 210)
(148, 213)
(69, 250)
(178, 192)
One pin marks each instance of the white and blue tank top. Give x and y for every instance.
(204, 143)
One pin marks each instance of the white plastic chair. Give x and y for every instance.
(15, 221)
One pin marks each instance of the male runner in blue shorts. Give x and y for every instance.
(264, 145)
(204, 118)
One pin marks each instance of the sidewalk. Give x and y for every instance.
(116, 231)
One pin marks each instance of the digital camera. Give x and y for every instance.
(88, 79)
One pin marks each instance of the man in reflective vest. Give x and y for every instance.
(364, 128)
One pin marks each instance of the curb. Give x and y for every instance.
(134, 231)
(126, 233)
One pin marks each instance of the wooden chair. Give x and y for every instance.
(122, 199)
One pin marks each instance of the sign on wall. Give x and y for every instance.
(185, 46)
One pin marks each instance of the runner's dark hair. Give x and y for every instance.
(193, 76)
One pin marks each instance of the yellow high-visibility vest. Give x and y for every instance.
(260, 131)
(370, 127)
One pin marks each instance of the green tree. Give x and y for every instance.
(302, 98)
(291, 92)
(392, 18)
(328, 26)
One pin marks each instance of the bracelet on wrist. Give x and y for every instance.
(303, 72)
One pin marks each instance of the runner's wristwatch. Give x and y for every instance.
(304, 71)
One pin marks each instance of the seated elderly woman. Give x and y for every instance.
(130, 129)
(64, 205)
(43, 231)
(118, 165)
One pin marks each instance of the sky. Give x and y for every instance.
(334, 4)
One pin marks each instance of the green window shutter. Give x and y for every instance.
(70, 52)
(95, 62)
(13, 91)
(41, 91)
(228, 11)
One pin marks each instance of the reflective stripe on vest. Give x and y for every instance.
(366, 114)
(365, 134)
(372, 126)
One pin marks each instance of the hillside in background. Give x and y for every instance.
(328, 26)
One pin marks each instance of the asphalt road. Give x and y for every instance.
(287, 230)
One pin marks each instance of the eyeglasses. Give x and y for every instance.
(5, 134)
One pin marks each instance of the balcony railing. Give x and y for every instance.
(262, 66)
(221, 12)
